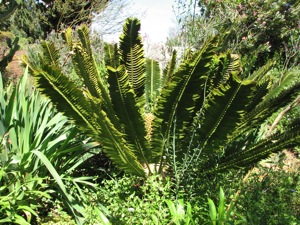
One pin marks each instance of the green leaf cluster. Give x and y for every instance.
(39, 152)
(207, 109)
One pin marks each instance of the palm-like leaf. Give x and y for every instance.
(208, 104)
(222, 112)
(170, 68)
(132, 55)
(281, 94)
(86, 68)
(241, 147)
(260, 150)
(152, 83)
(85, 111)
(178, 97)
(51, 54)
(123, 99)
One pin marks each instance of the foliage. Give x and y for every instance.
(39, 153)
(221, 215)
(9, 46)
(35, 19)
(22, 194)
(271, 194)
(206, 115)
(7, 8)
(132, 200)
(179, 213)
(266, 29)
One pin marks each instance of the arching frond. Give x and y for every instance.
(132, 55)
(111, 56)
(128, 112)
(86, 68)
(222, 113)
(280, 95)
(168, 72)
(83, 34)
(153, 82)
(260, 150)
(85, 111)
(67, 36)
(178, 97)
(50, 54)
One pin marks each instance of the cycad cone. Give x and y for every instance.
(148, 117)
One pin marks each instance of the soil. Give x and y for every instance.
(14, 69)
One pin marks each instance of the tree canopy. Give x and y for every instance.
(265, 28)
(36, 19)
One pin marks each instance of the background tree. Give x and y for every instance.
(36, 19)
(264, 28)
(111, 20)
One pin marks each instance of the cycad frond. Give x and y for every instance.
(178, 97)
(111, 56)
(168, 72)
(152, 83)
(83, 34)
(222, 112)
(86, 68)
(50, 54)
(280, 95)
(116, 147)
(257, 151)
(124, 103)
(67, 36)
(85, 111)
(67, 97)
(132, 55)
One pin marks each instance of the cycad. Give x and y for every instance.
(207, 103)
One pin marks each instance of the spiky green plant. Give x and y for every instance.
(39, 152)
(207, 103)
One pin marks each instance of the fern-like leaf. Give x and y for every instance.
(85, 111)
(168, 72)
(178, 97)
(255, 152)
(132, 55)
(153, 82)
(223, 110)
(123, 99)
(50, 54)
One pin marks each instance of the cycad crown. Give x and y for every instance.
(207, 105)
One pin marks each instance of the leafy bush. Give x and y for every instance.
(258, 30)
(132, 200)
(271, 194)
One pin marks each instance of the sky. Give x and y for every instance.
(156, 18)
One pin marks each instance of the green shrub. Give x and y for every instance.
(132, 200)
(271, 195)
